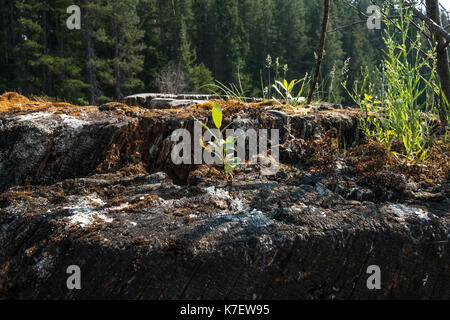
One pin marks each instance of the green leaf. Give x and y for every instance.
(217, 115)
(232, 160)
(229, 146)
(231, 139)
(228, 169)
(291, 85)
(278, 90)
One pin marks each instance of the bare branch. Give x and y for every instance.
(348, 25)
(407, 37)
(326, 13)
(430, 23)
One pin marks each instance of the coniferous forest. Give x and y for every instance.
(124, 47)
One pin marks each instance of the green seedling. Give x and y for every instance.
(285, 90)
(223, 149)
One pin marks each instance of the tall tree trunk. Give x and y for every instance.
(326, 12)
(434, 14)
(117, 58)
(45, 46)
(5, 35)
(93, 88)
(16, 76)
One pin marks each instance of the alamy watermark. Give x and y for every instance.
(74, 280)
(374, 280)
(374, 20)
(257, 147)
(74, 20)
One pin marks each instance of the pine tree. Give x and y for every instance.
(63, 55)
(28, 49)
(7, 37)
(258, 20)
(230, 44)
(198, 74)
(124, 44)
(117, 46)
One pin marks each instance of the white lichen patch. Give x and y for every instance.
(84, 219)
(218, 193)
(119, 208)
(256, 218)
(248, 218)
(33, 116)
(446, 228)
(84, 211)
(403, 212)
(237, 205)
(321, 190)
(425, 280)
(73, 122)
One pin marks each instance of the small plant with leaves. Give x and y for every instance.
(266, 90)
(285, 90)
(223, 149)
(409, 96)
(336, 76)
(232, 90)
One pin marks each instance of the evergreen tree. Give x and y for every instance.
(123, 45)
(63, 57)
(118, 47)
(198, 74)
(230, 44)
(29, 49)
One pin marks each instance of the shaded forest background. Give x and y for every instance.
(124, 47)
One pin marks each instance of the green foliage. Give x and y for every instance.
(217, 115)
(230, 42)
(198, 74)
(116, 32)
(335, 79)
(233, 91)
(405, 110)
(285, 90)
(273, 68)
(124, 45)
(223, 149)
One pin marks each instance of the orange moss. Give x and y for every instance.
(14, 97)
(14, 102)
(372, 157)
(319, 154)
(344, 111)
(15, 196)
(62, 105)
(207, 106)
(148, 201)
(140, 241)
(174, 244)
(264, 103)
(435, 170)
(377, 167)
(132, 170)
